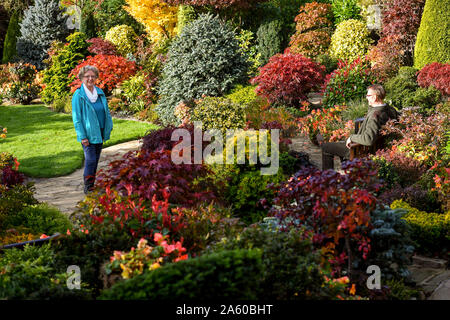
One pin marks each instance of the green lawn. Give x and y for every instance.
(45, 142)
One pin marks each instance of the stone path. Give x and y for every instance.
(65, 192)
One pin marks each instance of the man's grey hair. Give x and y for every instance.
(85, 69)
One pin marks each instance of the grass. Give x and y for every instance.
(45, 142)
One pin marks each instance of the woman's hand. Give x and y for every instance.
(85, 142)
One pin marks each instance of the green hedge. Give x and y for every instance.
(430, 230)
(433, 44)
(223, 275)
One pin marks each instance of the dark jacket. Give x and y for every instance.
(370, 127)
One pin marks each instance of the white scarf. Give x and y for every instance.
(91, 96)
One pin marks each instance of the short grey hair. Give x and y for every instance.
(85, 69)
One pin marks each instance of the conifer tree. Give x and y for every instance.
(43, 23)
(9, 46)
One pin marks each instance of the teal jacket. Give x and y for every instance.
(85, 119)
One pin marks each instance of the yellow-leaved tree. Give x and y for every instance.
(158, 17)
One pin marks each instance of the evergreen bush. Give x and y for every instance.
(270, 40)
(205, 59)
(350, 40)
(111, 13)
(56, 78)
(224, 275)
(42, 23)
(13, 32)
(433, 42)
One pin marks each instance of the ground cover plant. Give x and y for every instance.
(58, 153)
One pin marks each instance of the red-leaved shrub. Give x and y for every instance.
(101, 46)
(113, 70)
(335, 207)
(147, 174)
(435, 74)
(313, 29)
(287, 78)
(386, 57)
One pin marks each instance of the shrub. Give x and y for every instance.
(327, 122)
(100, 46)
(291, 267)
(400, 22)
(246, 189)
(14, 199)
(113, 71)
(424, 98)
(185, 15)
(22, 87)
(40, 219)
(246, 43)
(222, 275)
(123, 38)
(418, 137)
(219, 113)
(13, 32)
(189, 73)
(437, 75)
(149, 174)
(244, 96)
(161, 23)
(391, 245)
(350, 40)
(30, 274)
(42, 23)
(330, 63)
(132, 263)
(431, 231)
(401, 87)
(336, 208)
(415, 196)
(432, 37)
(345, 10)
(56, 78)
(138, 92)
(348, 82)
(313, 30)
(386, 57)
(110, 13)
(287, 78)
(270, 39)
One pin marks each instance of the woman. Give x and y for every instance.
(92, 121)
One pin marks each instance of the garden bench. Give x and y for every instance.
(360, 151)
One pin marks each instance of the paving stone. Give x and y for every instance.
(429, 262)
(442, 292)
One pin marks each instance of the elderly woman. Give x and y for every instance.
(92, 121)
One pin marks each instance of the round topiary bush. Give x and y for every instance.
(432, 44)
(350, 40)
(287, 78)
(123, 37)
(205, 59)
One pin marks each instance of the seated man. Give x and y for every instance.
(378, 114)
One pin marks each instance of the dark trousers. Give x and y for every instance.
(331, 149)
(91, 156)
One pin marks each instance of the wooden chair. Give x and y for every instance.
(361, 151)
